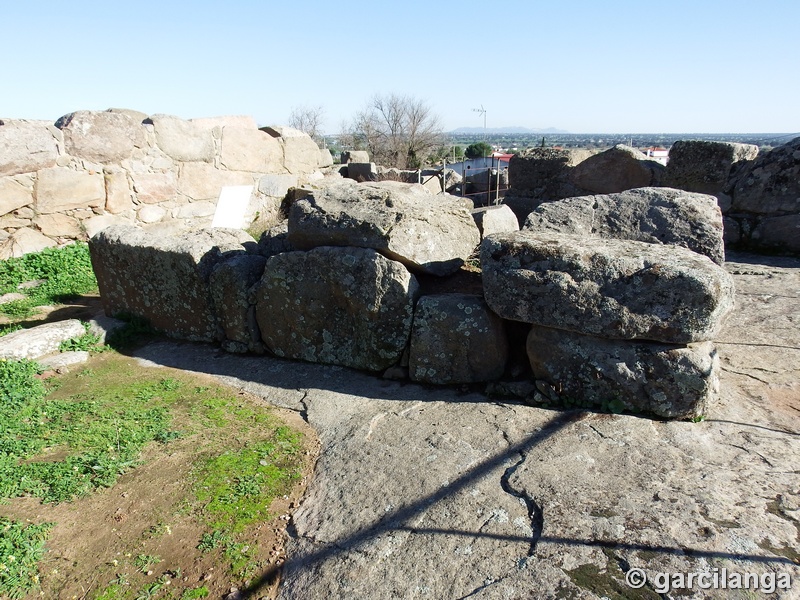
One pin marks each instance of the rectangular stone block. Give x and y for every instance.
(59, 189)
(163, 279)
(617, 289)
(669, 381)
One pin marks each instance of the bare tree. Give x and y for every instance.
(308, 119)
(398, 131)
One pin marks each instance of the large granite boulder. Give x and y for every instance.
(103, 137)
(456, 339)
(653, 215)
(428, 233)
(164, 280)
(668, 381)
(771, 186)
(705, 167)
(617, 169)
(342, 306)
(27, 146)
(618, 289)
(230, 283)
(545, 173)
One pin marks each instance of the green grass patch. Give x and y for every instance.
(64, 438)
(57, 448)
(64, 273)
(21, 548)
(238, 486)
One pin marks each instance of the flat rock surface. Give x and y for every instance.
(424, 492)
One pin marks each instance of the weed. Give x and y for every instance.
(21, 547)
(88, 342)
(213, 540)
(195, 593)
(143, 562)
(6, 329)
(239, 486)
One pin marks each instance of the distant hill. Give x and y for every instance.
(503, 130)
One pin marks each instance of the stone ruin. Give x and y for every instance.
(371, 276)
(610, 293)
(759, 195)
(67, 180)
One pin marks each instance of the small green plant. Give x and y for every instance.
(698, 419)
(6, 329)
(88, 342)
(21, 548)
(212, 540)
(195, 593)
(143, 562)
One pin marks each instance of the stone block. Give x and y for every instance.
(183, 140)
(276, 185)
(230, 283)
(704, 167)
(250, 150)
(771, 186)
(24, 241)
(616, 289)
(300, 152)
(163, 279)
(617, 169)
(495, 219)
(15, 192)
(201, 181)
(153, 188)
(118, 192)
(427, 233)
(39, 341)
(455, 338)
(669, 381)
(27, 146)
(58, 225)
(342, 306)
(778, 234)
(653, 215)
(60, 189)
(103, 137)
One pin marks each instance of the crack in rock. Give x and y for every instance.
(535, 514)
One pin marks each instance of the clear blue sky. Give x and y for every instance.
(670, 66)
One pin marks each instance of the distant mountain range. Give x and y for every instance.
(504, 130)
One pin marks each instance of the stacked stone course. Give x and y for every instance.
(67, 180)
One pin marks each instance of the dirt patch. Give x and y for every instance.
(140, 537)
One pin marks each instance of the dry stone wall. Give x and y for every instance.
(68, 180)
(610, 319)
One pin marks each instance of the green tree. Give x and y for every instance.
(478, 150)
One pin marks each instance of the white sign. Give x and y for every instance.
(231, 206)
